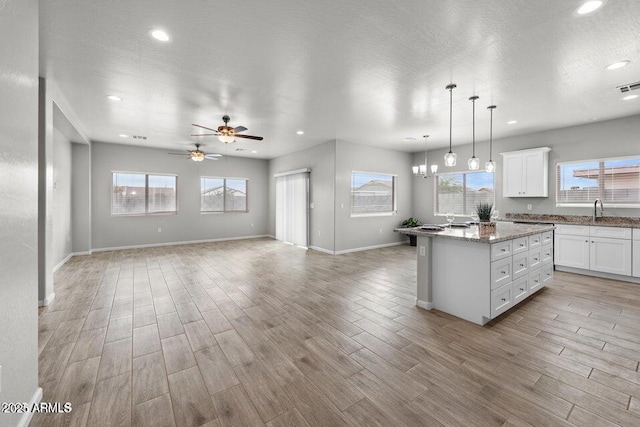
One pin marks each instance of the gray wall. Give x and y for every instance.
(359, 232)
(19, 207)
(61, 197)
(612, 138)
(81, 198)
(321, 159)
(188, 224)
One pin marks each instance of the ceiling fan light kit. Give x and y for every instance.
(450, 158)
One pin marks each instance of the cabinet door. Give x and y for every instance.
(610, 255)
(512, 183)
(571, 251)
(636, 257)
(535, 174)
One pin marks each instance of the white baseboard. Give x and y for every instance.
(61, 263)
(26, 417)
(81, 253)
(424, 304)
(368, 248)
(598, 274)
(184, 242)
(323, 250)
(47, 300)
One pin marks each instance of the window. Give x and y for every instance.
(460, 192)
(139, 193)
(614, 181)
(223, 194)
(373, 194)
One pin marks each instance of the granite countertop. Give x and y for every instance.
(605, 221)
(504, 231)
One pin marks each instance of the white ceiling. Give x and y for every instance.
(365, 71)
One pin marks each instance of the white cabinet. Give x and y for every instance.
(571, 251)
(526, 173)
(602, 249)
(636, 253)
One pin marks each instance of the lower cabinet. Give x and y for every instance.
(572, 251)
(636, 255)
(610, 255)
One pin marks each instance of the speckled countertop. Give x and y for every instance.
(605, 221)
(504, 231)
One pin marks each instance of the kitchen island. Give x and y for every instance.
(478, 276)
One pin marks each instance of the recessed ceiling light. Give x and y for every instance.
(254, 152)
(629, 97)
(114, 98)
(512, 122)
(409, 139)
(122, 135)
(160, 35)
(300, 132)
(617, 65)
(589, 7)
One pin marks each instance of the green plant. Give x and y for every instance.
(411, 222)
(483, 209)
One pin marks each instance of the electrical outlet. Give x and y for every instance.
(529, 207)
(318, 232)
(313, 205)
(341, 205)
(381, 231)
(422, 251)
(251, 224)
(159, 230)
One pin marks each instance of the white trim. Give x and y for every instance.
(366, 248)
(597, 274)
(362, 215)
(323, 250)
(26, 417)
(63, 262)
(47, 300)
(271, 236)
(185, 242)
(589, 205)
(81, 253)
(293, 172)
(425, 304)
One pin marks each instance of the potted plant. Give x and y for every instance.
(411, 223)
(484, 211)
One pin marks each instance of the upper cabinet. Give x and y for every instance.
(526, 173)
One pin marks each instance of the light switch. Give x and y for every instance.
(529, 207)
(422, 251)
(313, 205)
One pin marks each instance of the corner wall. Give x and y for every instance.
(188, 224)
(61, 199)
(19, 207)
(611, 138)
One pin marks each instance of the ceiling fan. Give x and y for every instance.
(226, 133)
(197, 155)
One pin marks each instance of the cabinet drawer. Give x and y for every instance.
(611, 232)
(520, 245)
(535, 281)
(535, 258)
(535, 241)
(520, 265)
(501, 272)
(501, 250)
(547, 254)
(547, 237)
(520, 289)
(572, 230)
(501, 300)
(546, 273)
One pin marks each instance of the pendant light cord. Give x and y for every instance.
(450, 115)
(473, 102)
(491, 134)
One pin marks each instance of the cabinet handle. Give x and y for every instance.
(503, 272)
(522, 245)
(592, 241)
(504, 299)
(503, 250)
(522, 289)
(521, 265)
(586, 241)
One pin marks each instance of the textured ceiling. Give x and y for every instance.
(365, 71)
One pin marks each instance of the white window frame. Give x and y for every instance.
(590, 204)
(394, 190)
(435, 190)
(224, 199)
(146, 196)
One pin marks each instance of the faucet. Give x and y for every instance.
(595, 209)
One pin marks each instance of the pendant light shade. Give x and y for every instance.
(421, 170)
(450, 158)
(474, 162)
(490, 166)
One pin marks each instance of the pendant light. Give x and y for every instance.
(421, 170)
(490, 166)
(474, 162)
(451, 157)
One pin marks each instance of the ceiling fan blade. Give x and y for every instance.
(205, 134)
(204, 127)
(240, 129)
(210, 158)
(257, 138)
(178, 154)
(212, 155)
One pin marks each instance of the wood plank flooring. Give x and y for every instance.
(256, 332)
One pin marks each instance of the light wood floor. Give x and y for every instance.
(257, 332)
